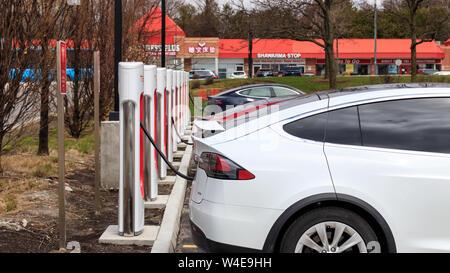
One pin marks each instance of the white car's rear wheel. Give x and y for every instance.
(330, 230)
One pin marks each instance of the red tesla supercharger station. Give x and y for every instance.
(149, 121)
(187, 115)
(161, 120)
(131, 200)
(168, 127)
(179, 104)
(174, 113)
(146, 95)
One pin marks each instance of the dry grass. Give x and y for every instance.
(13, 186)
(25, 172)
(31, 165)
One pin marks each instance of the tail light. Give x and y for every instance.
(218, 166)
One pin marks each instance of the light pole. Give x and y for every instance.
(114, 115)
(163, 33)
(375, 39)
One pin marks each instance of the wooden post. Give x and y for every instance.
(97, 130)
(61, 82)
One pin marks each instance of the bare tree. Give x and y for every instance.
(47, 23)
(16, 97)
(309, 20)
(78, 102)
(424, 20)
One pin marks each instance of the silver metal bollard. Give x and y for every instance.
(168, 127)
(131, 202)
(161, 120)
(150, 176)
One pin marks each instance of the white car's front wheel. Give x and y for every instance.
(330, 230)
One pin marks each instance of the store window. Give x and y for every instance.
(222, 73)
(320, 69)
(363, 69)
(341, 68)
(239, 67)
(383, 69)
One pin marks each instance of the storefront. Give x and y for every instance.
(224, 56)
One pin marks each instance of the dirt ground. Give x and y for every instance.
(32, 226)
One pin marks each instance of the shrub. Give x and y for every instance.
(195, 84)
(209, 81)
(196, 77)
(42, 170)
(388, 79)
(11, 202)
(86, 145)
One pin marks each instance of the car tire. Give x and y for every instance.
(329, 221)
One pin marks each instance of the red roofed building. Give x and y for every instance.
(224, 56)
(148, 29)
(446, 61)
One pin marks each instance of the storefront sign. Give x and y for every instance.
(279, 55)
(201, 48)
(155, 50)
(349, 68)
(279, 61)
(347, 61)
(408, 61)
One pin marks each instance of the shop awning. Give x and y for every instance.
(386, 48)
(344, 48)
(238, 48)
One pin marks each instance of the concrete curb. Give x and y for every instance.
(170, 226)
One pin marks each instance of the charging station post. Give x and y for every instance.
(188, 110)
(131, 201)
(149, 121)
(169, 90)
(161, 119)
(61, 85)
(179, 92)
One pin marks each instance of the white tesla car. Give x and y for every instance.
(355, 170)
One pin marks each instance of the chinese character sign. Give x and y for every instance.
(201, 48)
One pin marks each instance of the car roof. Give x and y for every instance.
(371, 90)
(254, 86)
(364, 94)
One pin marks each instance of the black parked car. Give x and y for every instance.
(253, 92)
(291, 72)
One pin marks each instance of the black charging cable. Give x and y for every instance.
(163, 156)
(178, 134)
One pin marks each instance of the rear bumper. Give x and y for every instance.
(220, 227)
(207, 245)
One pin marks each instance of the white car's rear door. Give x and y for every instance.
(395, 156)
